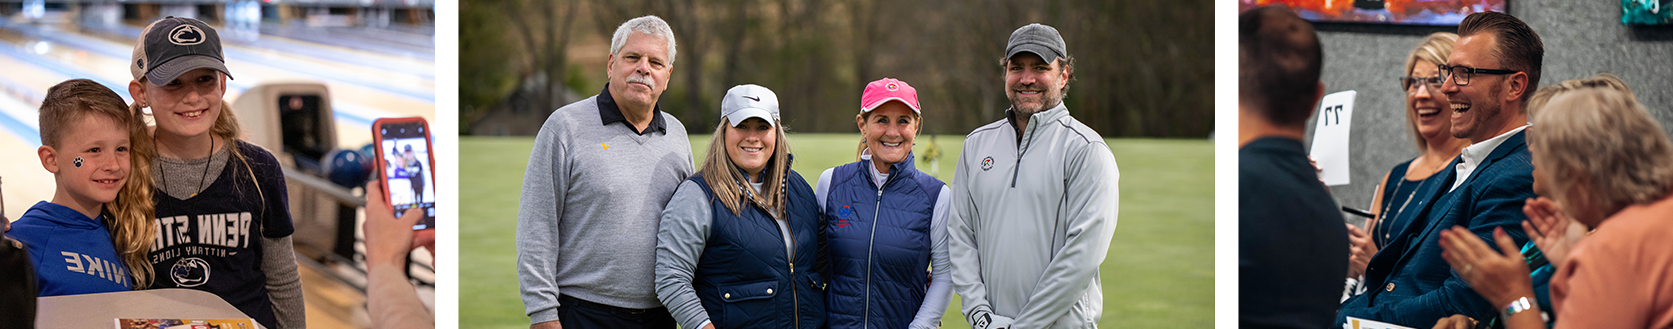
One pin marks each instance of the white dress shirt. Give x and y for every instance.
(1474, 153)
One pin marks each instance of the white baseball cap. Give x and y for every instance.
(749, 101)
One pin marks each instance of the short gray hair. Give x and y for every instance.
(649, 25)
(1602, 135)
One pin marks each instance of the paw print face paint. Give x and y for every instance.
(78, 162)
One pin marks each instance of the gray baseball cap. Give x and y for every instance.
(1039, 39)
(172, 46)
(749, 101)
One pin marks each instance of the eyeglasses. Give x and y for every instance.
(1461, 74)
(1410, 83)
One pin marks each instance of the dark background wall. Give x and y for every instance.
(1581, 38)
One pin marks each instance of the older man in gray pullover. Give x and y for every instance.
(599, 175)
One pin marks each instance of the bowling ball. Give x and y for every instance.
(348, 168)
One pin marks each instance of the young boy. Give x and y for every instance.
(85, 142)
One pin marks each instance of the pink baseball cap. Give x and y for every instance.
(888, 89)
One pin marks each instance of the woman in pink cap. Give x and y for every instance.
(886, 222)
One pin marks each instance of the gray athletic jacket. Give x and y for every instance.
(1026, 244)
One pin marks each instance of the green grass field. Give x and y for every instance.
(1159, 272)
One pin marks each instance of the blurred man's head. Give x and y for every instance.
(1279, 60)
(1491, 74)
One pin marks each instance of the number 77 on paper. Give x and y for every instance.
(1330, 138)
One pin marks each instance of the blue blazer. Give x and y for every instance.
(1408, 283)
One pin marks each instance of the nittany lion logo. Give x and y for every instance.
(987, 163)
(190, 272)
(185, 35)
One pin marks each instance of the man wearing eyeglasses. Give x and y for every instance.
(1489, 77)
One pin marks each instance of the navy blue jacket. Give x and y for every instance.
(1408, 282)
(879, 244)
(744, 277)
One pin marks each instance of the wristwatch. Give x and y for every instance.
(1516, 306)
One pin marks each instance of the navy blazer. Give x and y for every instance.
(1408, 283)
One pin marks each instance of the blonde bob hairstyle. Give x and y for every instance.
(1433, 49)
(731, 186)
(1603, 138)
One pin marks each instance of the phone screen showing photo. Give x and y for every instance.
(406, 164)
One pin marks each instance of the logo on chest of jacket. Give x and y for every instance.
(843, 214)
(987, 163)
(190, 272)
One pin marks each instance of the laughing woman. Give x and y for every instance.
(886, 222)
(739, 242)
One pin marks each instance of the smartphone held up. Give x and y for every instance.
(405, 164)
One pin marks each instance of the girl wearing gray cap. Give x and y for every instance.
(222, 218)
(738, 246)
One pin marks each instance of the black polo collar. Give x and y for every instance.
(609, 113)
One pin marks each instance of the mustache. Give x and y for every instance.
(642, 78)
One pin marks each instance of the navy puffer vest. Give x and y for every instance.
(745, 279)
(879, 243)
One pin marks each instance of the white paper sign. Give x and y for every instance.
(1358, 323)
(1330, 139)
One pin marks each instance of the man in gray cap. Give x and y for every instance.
(1034, 200)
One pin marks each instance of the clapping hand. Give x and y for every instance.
(1500, 276)
(1551, 229)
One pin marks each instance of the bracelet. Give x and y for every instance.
(1516, 306)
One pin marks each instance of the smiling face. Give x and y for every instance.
(188, 105)
(1425, 104)
(889, 131)
(750, 145)
(1476, 108)
(639, 71)
(1032, 84)
(102, 145)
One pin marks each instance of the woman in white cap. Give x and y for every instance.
(738, 246)
(886, 222)
(223, 220)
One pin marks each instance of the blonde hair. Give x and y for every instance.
(226, 127)
(1601, 80)
(1603, 136)
(132, 220)
(1434, 49)
(729, 185)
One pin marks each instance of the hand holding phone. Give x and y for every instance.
(405, 164)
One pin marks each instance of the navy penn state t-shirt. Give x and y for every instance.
(212, 241)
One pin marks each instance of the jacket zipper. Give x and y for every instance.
(1033, 124)
(872, 242)
(790, 252)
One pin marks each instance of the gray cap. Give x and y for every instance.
(172, 46)
(1039, 39)
(749, 101)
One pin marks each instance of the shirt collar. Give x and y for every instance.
(1475, 153)
(608, 113)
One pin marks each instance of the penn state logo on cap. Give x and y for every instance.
(185, 35)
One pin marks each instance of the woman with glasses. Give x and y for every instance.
(1431, 129)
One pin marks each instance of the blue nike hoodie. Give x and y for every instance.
(72, 252)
